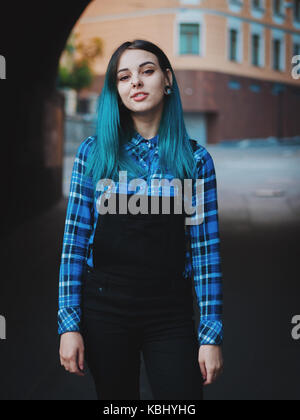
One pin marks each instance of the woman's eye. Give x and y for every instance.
(124, 77)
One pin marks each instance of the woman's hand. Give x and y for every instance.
(211, 362)
(72, 352)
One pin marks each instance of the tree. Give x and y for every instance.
(75, 67)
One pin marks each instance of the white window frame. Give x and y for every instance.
(235, 6)
(235, 23)
(279, 19)
(190, 2)
(280, 35)
(258, 13)
(257, 29)
(190, 16)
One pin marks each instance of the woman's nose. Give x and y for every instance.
(136, 81)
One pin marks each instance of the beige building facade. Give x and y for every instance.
(232, 59)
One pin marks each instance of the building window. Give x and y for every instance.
(276, 54)
(296, 45)
(257, 8)
(279, 13)
(233, 52)
(83, 106)
(189, 38)
(234, 84)
(256, 4)
(234, 47)
(278, 49)
(277, 7)
(296, 49)
(297, 10)
(255, 88)
(190, 2)
(278, 88)
(235, 5)
(257, 45)
(255, 49)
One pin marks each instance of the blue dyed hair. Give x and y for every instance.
(114, 127)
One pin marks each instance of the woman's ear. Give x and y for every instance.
(169, 78)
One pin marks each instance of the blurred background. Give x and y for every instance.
(237, 66)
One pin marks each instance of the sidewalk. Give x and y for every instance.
(258, 186)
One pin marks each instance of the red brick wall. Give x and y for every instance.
(237, 114)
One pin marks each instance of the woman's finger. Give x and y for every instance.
(81, 359)
(73, 365)
(209, 378)
(203, 370)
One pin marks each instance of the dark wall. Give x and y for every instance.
(32, 37)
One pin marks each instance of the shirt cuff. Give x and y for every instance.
(210, 332)
(69, 319)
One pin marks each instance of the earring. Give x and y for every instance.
(168, 90)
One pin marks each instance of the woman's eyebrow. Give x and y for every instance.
(143, 64)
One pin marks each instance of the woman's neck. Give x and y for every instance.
(147, 126)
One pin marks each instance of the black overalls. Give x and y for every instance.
(135, 299)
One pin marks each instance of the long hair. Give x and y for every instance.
(114, 127)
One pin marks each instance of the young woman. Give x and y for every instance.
(126, 278)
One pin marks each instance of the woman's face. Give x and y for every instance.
(134, 76)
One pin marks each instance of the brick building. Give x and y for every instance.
(232, 59)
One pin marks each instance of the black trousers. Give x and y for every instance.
(122, 318)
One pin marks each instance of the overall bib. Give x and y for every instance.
(135, 299)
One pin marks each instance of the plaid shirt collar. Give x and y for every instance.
(137, 139)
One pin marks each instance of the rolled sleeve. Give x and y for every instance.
(205, 255)
(78, 228)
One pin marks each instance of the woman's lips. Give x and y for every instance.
(140, 98)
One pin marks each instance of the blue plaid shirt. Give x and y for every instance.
(203, 241)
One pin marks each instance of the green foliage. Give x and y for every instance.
(82, 75)
(78, 74)
(64, 78)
